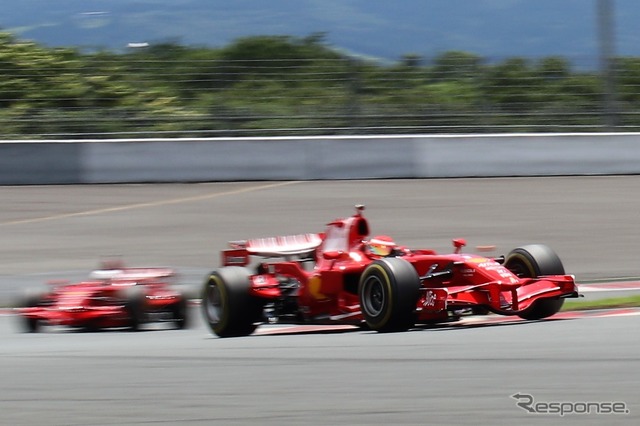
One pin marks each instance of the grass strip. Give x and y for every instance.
(613, 302)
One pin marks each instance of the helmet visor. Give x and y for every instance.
(380, 249)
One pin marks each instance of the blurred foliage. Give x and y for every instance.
(281, 85)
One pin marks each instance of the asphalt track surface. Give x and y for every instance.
(455, 374)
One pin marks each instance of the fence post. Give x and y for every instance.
(607, 61)
(353, 106)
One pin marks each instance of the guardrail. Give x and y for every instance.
(314, 158)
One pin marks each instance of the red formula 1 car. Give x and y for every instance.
(122, 297)
(344, 276)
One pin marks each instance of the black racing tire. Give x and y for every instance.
(135, 306)
(389, 290)
(30, 299)
(228, 307)
(533, 261)
(180, 313)
(31, 325)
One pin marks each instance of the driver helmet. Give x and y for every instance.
(381, 245)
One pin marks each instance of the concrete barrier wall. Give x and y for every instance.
(292, 158)
(248, 159)
(530, 155)
(40, 163)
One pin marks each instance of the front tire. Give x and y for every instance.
(179, 313)
(388, 291)
(227, 306)
(533, 261)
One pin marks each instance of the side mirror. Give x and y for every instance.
(458, 243)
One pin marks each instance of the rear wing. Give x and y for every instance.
(133, 274)
(300, 245)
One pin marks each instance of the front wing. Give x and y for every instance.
(498, 297)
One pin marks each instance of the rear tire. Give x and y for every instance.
(135, 306)
(388, 291)
(31, 299)
(227, 306)
(533, 261)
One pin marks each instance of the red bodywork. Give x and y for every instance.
(124, 297)
(315, 277)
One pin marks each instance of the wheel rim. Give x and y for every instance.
(373, 296)
(213, 304)
(520, 269)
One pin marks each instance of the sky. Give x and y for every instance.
(377, 28)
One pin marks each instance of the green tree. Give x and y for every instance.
(456, 65)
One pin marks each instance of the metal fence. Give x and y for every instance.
(121, 96)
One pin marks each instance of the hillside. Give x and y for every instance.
(378, 28)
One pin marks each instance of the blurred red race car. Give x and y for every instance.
(344, 276)
(112, 297)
